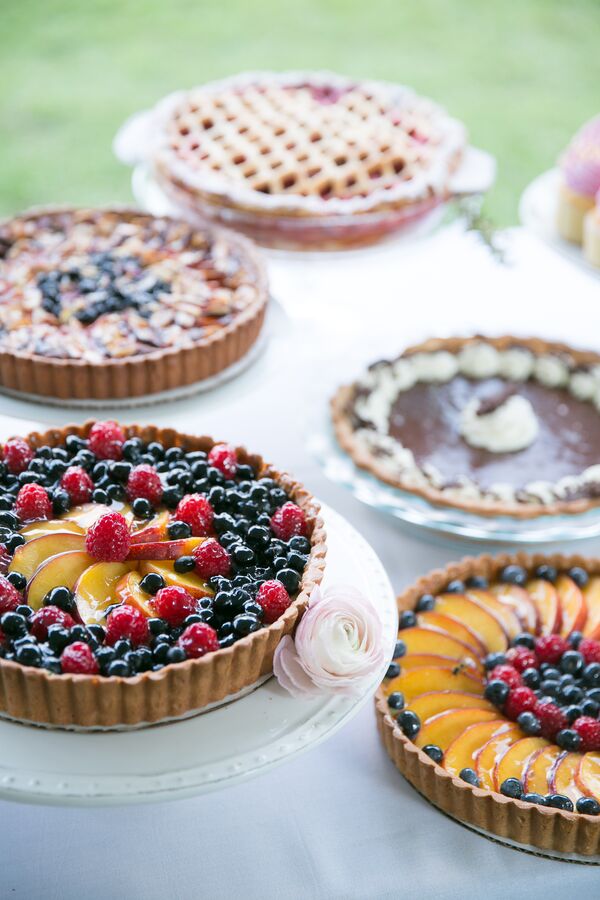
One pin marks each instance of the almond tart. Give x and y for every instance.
(492, 426)
(300, 160)
(113, 304)
(490, 708)
(146, 573)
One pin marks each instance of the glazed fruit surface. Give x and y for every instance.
(498, 682)
(120, 556)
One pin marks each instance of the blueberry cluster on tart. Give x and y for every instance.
(300, 159)
(114, 303)
(491, 706)
(493, 426)
(144, 573)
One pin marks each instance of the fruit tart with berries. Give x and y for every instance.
(108, 304)
(145, 573)
(491, 706)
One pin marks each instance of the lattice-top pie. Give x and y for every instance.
(304, 158)
(116, 303)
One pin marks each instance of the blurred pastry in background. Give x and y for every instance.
(580, 168)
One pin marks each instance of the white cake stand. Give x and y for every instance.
(233, 742)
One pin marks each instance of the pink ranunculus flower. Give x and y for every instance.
(338, 646)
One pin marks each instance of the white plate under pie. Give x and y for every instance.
(233, 742)
(537, 212)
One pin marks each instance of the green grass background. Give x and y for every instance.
(522, 75)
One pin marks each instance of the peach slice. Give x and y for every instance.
(587, 777)
(164, 549)
(514, 763)
(433, 619)
(572, 604)
(421, 681)
(462, 751)
(128, 590)
(88, 513)
(562, 778)
(192, 583)
(539, 770)
(487, 757)
(418, 660)
(95, 590)
(506, 616)
(430, 640)
(591, 592)
(61, 570)
(434, 702)
(520, 602)
(545, 598)
(29, 556)
(39, 529)
(155, 530)
(486, 625)
(446, 726)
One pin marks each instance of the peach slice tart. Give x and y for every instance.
(505, 737)
(129, 552)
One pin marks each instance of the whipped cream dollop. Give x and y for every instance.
(501, 425)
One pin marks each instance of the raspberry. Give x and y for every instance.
(108, 538)
(43, 618)
(10, 598)
(588, 730)
(17, 455)
(211, 559)
(198, 639)
(550, 647)
(127, 622)
(274, 599)
(522, 658)
(552, 719)
(224, 458)
(144, 481)
(197, 512)
(106, 440)
(33, 502)
(288, 521)
(507, 674)
(520, 699)
(590, 650)
(78, 659)
(78, 484)
(173, 604)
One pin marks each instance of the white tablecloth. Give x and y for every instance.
(338, 822)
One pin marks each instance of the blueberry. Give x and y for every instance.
(29, 655)
(550, 688)
(407, 619)
(548, 573)
(118, 667)
(156, 450)
(227, 640)
(58, 638)
(173, 454)
(550, 672)
(579, 576)
(532, 797)
(425, 603)
(575, 639)
(300, 544)
(393, 670)
(470, 776)
(434, 752)
(559, 801)
(178, 530)
(13, 625)
(594, 694)
(587, 806)
(529, 723)
(396, 700)
(409, 722)
(512, 787)
(399, 649)
(250, 606)
(121, 647)
(115, 492)
(97, 632)
(513, 575)
(78, 633)
(455, 587)
(296, 561)
(478, 582)
(494, 659)
(144, 659)
(14, 541)
(572, 662)
(17, 580)
(531, 678)
(244, 556)
(171, 497)
(142, 508)
(568, 739)
(152, 583)
(62, 597)
(100, 496)
(496, 692)
(289, 579)
(61, 502)
(175, 655)
(525, 640)
(590, 708)
(591, 675)
(9, 520)
(23, 610)
(184, 564)
(160, 650)
(570, 694)
(245, 624)
(573, 713)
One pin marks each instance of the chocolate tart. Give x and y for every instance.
(485, 808)
(297, 159)
(177, 690)
(113, 304)
(410, 436)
